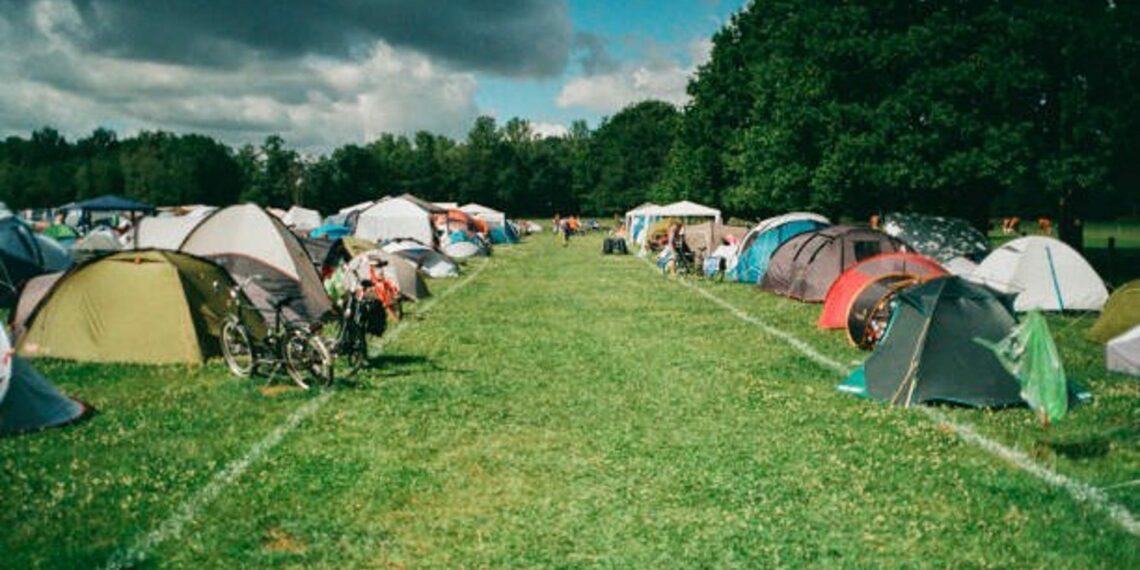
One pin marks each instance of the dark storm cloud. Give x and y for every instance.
(509, 37)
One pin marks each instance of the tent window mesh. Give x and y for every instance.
(865, 249)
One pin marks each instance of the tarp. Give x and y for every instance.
(805, 266)
(936, 236)
(1122, 354)
(1045, 274)
(1029, 354)
(754, 251)
(110, 203)
(1121, 313)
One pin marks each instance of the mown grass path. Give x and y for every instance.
(562, 409)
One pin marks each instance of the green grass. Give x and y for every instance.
(568, 409)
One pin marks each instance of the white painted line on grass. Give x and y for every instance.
(1079, 490)
(186, 512)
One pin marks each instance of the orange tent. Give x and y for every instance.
(460, 220)
(845, 288)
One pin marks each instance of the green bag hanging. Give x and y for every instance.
(1030, 355)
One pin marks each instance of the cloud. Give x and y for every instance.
(544, 130)
(519, 38)
(657, 74)
(315, 101)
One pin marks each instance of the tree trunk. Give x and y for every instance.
(1070, 222)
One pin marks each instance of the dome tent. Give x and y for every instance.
(150, 307)
(1122, 354)
(805, 266)
(936, 236)
(755, 250)
(929, 353)
(1121, 312)
(1044, 274)
(401, 217)
(28, 402)
(261, 254)
(848, 285)
(24, 255)
(428, 260)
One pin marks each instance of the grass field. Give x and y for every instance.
(565, 409)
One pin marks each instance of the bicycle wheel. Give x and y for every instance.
(237, 348)
(308, 360)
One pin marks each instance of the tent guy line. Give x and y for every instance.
(186, 512)
(1079, 490)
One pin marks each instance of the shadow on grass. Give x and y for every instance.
(1094, 446)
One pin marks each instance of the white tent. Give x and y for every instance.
(638, 220)
(357, 207)
(687, 209)
(395, 218)
(165, 232)
(302, 218)
(960, 266)
(1122, 354)
(493, 217)
(251, 243)
(447, 205)
(1045, 274)
(430, 261)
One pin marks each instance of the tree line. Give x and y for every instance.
(965, 108)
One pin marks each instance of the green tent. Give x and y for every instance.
(1121, 313)
(146, 306)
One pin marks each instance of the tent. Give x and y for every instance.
(264, 257)
(23, 255)
(504, 234)
(164, 232)
(937, 237)
(1045, 274)
(756, 248)
(707, 237)
(687, 210)
(33, 292)
(638, 220)
(960, 266)
(1122, 354)
(491, 216)
(151, 306)
(930, 355)
(110, 203)
(397, 269)
(843, 290)
(331, 231)
(459, 220)
(805, 266)
(428, 260)
(96, 243)
(302, 218)
(870, 309)
(461, 245)
(28, 402)
(400, 217)
(1121, 312)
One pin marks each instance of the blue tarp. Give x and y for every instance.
(753, 262)
(331, 231)
(110, 203)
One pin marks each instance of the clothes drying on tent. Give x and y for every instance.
(28, 402)
(1045, 274)
(266, 259)
(936, 236)
(152, 307)
(427, 259)
(805, 266)
(755, 249)
(24, 255)
(1122, 354)
(847, 286)
(1121, 313)
(929, 353)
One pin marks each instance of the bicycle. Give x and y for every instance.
(363, 319)
(304, 356)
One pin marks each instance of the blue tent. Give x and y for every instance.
(505, 233)
(331, 231)
(109, 204)
(757, 247)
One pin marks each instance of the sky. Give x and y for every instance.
(323, 73)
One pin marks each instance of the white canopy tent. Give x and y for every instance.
(687, 209)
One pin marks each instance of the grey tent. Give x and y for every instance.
(805, 266)
(29, 402)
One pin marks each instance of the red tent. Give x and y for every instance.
(851, 281)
